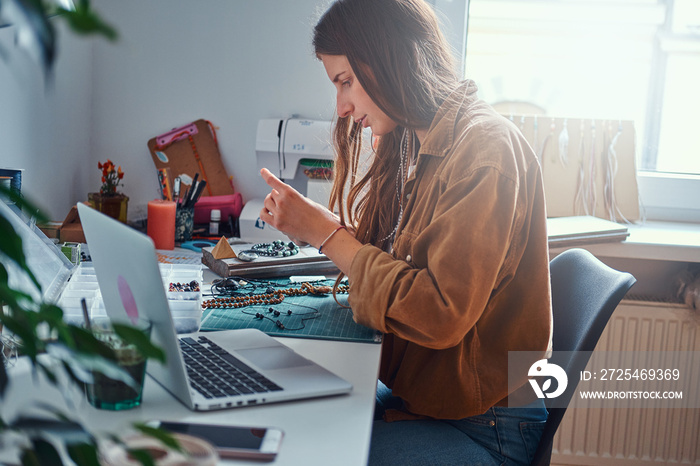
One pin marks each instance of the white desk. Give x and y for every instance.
(333, 430)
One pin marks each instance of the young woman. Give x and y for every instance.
(443, 238)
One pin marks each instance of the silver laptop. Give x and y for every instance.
(126, 264)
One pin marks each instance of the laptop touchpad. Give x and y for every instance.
(274, 358)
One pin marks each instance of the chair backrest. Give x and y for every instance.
(585, 292)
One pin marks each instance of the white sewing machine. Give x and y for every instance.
(288, 147)
(282, 146)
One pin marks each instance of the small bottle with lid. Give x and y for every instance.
(214, 220)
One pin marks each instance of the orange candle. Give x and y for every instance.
(161, 223)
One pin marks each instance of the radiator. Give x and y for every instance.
(617, 436)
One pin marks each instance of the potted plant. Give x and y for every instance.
(109, 200)
(28, 317)
(80, 354)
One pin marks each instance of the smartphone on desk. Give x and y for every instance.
(256, 443)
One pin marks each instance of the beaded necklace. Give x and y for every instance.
(270, 297)
(400, 179)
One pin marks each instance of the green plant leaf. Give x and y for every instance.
(21, 326)
(84, 454)
(48, 372)
(85, 342)
(9, 297)
(43, 452)
(3, 386)
(163, 436)
(4, 277)
(69, 431)
(143, 456)
(11, 246)
(79, 443)
(63, 334)
(63, 420)
(24, 204)
(14, 298)
(51, 314)
(31, 22)
(84, 364)
(140, 340)
(29, 458)
(84, 20)
(77, 378)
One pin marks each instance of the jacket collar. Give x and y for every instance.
(441, 134)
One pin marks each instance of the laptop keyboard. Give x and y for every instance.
(216, 373)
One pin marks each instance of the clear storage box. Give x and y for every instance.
(66, 284)
(185, 306)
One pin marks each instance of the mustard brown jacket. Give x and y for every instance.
(468, 277)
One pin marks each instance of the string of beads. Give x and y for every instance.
(271, 296)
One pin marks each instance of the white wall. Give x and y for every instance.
(232, 62)
(45, 129)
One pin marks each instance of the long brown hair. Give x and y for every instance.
(403, 62)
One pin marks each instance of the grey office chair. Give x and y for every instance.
(585, 292)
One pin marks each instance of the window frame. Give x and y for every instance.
(663, 196)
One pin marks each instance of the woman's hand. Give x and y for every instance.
(305, 221)
(301, 219)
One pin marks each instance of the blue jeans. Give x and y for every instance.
(500, 436)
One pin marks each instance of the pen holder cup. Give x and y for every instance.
(184, 223)
(123, 389)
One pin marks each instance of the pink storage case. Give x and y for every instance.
(228, 204)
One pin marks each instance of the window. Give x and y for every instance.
(636, 60)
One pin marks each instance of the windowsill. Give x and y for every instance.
(669, 197)
(654, 240)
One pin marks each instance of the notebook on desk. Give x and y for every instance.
(221, 370)
(583, 230)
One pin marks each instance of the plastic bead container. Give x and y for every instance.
(185, 306)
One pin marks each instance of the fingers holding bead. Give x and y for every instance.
(265, 215)
(270, 208)
(269, 205)
(274, 196)
(279, 205)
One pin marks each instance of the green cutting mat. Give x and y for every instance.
(333, 322)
